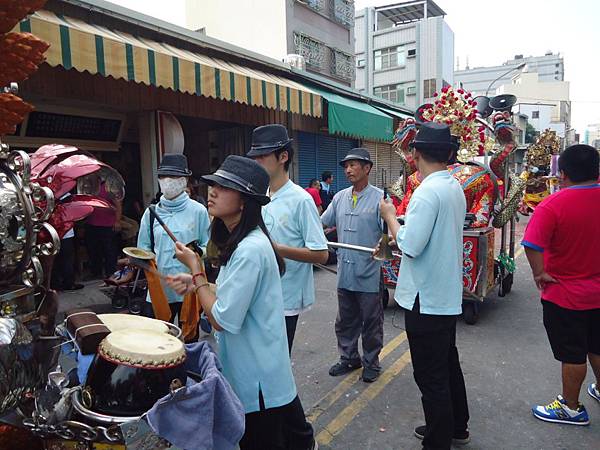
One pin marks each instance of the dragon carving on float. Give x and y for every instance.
(483, 187)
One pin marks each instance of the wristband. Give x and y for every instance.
(201, 286)
(196, 275)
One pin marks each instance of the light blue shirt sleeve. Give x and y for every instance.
(144, 232)
(413, 237)
(328, 217)
(311, 227)
(235, 292)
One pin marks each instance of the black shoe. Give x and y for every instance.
(74, 287)
(369, 374)
(462, 438)
(343, 367)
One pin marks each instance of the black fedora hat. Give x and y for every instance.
(173, 165)
(357, 154)
(243, 175)
(434, 136)
(267, 139)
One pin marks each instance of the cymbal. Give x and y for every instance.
(139, 253)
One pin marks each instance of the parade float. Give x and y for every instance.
(484, 130)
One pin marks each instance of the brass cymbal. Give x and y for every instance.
(139, 253)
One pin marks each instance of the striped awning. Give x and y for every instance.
(77, 45)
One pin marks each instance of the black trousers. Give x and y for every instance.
(281, 428)
(102, 250)
(290, 328)
(432, 341)
(63, 269)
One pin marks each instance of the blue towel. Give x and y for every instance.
(200, 416)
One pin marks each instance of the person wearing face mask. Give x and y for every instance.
(186, 218)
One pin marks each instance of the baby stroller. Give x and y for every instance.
(127, 288)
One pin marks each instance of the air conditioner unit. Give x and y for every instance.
(411, 53)
(412, 90)
(360, 63)
(295, 61)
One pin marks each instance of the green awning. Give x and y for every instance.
(353, 118)
(393, 113)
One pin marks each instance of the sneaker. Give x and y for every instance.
(594, 391)
(559, 412)
(458, 438)
(344, 367)
(369, 374)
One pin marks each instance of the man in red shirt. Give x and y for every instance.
(562, 243)
(313, 189)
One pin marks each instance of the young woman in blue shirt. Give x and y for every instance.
(247, 310)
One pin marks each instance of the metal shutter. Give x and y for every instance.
(327, 157)
(372, 147)
(307, 158)
(343, 147)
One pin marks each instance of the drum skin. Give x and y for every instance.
(119, 389)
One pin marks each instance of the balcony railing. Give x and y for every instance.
(312, 50)
(341, 11)
(342, 65)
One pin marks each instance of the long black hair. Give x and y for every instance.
(226, 242)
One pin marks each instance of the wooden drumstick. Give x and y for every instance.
(162, 223)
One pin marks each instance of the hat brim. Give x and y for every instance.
(260, 150)
(354, 158)
(216, 179)
(173, 172)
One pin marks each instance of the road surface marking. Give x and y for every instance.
(343, 419)
(325, 402)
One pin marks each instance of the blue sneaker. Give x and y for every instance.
(594, 391)
(559, 412)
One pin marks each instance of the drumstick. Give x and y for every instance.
(162, 223)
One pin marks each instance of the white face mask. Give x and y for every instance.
(172, 187)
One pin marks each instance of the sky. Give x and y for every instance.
(491, 32)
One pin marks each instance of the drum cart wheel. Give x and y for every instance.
(470, 311)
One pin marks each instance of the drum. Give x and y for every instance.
(132, 370)
(118, 322)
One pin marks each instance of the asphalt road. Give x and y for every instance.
(505, 357)
(506, 360)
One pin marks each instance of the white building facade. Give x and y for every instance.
(404, 52)
(592, 135)
(549, 67)
(320, 30)
(546, 104)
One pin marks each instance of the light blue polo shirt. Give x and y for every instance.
(188, 220)
(292, 219)
(358, 224)
(432, 247)
(253, 344)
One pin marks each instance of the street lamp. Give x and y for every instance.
(519, 67)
